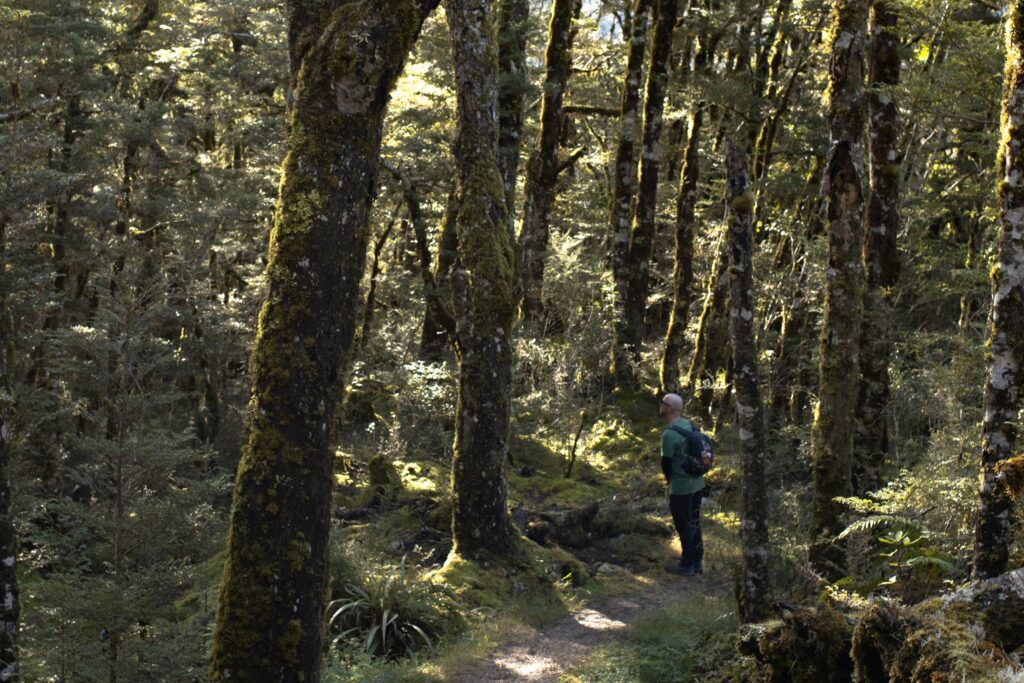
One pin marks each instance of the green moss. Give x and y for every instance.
(289, 641)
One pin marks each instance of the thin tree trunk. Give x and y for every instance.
(629, 323)
(1006, 322)
(755, 587)
(686, 222)
(513, 83)
(543, 167)
(438, 324)
(344, 62)
(624, 171)
(10, 608)
(371, 293)
(881, 256)
(682, 272)
(832, 432)
(484, 303)
(711, 355)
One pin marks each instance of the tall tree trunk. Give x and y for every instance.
(682, 272)
(1006, 321)
(513, 83)
(832, 432)
(543, 167)
(711, 356)
(629, 323)
(686, 222)
(755, 587)
(438, 324)
(10, 611)
(484, 301)
(881, 256)
(624, 171)
(344, 63)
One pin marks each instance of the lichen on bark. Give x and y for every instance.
(881, 256)
(755, 586)
(344, 63)
(483, 294)
(833, 428)
(1006, 319)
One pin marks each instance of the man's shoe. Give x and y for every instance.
(699, 569)
(680, 570)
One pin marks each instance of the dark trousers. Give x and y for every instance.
(686, 516)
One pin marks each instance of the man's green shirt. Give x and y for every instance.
(673, 444)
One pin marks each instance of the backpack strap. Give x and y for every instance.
(679, 430)
(687, 434)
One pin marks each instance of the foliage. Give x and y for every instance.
(391, 614)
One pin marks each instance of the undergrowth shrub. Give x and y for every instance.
(390, 614)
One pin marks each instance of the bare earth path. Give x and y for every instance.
(543, 654)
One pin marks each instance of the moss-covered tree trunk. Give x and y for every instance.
(686, 222)
(881, 256)
(682, 270)
(513, 83)
(1006, 320)
(543, 167)
(438, 331)
(484, 301)
(629, 321)
(755, 588)
(344, 62)
(624, 180)
(10, 607)
(832, 432)
(711, 354)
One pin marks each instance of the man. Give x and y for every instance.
(684, 489)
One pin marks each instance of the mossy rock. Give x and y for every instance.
(385, 483)
(805, 646)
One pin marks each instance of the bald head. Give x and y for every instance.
(671, 406)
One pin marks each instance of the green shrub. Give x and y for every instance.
(390, 614)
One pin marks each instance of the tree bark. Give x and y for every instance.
(755, 587)
(881, 256)
(543, 167)
(832, 431)
(513, 83)
(484, 301)
(686, 222)
(711, 354)
(438, 324)
(629, 327)
(10, 608)
(682, 272)
(624, 171)
(1006, 321)
(344, 62)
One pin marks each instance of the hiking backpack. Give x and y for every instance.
(700, 451)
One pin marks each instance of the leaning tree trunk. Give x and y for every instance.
(881, 257)
(1006, 322)
(344, 63)
(543, 167)
(10, 608)
(512, 86)
(484, 302)
(629, 319)
(755, 588)
(711, 355)
(682, 273)
(438, 331)
(832, 432)
(624, 181)
(686, 221)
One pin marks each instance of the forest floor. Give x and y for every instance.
(549, 653)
